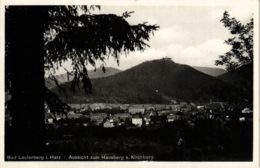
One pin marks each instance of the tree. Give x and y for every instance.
(241, 43)
(42, 38)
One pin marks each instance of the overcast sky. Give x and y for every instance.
(190, 35)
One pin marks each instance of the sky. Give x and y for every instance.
(190, 35)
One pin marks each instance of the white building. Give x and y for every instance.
(200, 107)
(246, 110)
(137, 121)
(109, 124)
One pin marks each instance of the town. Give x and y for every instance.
(144, 115)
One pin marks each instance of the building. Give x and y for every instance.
(108, 107)
(97, 118)
(171, 117)
(200, 107)
(135, 109)
(122, 116)
(164, 112)
(73, 115)
(153, 113)
(148, 107)
(147, 119)
(97, 106)
(124, 106)
(60, 116)
(246, 110)
(49, 118)
(137, 120)
(109, 123)
(176, 107)
(159, 107)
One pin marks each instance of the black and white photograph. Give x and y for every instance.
(129, 83)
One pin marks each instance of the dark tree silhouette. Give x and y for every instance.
(241, 43)
(41, 38)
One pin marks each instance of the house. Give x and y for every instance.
(247, 111)
(124, 106)
(210, 116)
(80, 106)
(137, 120)
(176, 107)
(109, 123)
(97, 118)
(159, 107)
(134, 109)
(114, 106)
(153, 113)
(108, 107)
(147, 119)
(242, 119)
(73, 115)
(122, 116)
(149, 107)
(246, 116)
(49, 118)
(200, 107)
(60, 116)
(97, 106)
(164, 112)
(227, 118)
(172, 117)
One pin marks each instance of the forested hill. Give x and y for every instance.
(157, 81)
(242, 79)
(242, 74)
(212, 71)
(98, 73)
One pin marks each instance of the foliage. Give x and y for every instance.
(87, 38)
(206, 140)
(74, 33)
(241, 43)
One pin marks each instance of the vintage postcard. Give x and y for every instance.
(135, 84)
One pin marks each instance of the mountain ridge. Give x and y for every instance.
(212, 71)
(93, 74)
(152, 82)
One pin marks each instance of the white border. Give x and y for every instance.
(70, 164)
